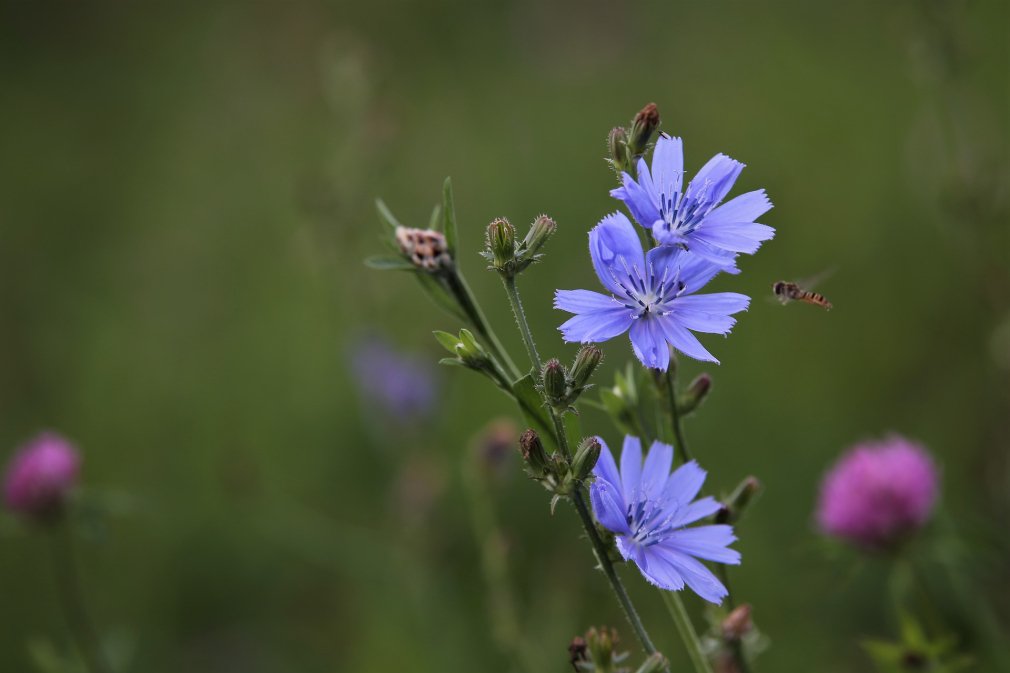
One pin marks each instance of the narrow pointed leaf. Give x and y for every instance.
(389, 263)
(435, 221)
(386, 216)
(449, 218)
(440, 295)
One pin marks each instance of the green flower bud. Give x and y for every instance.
(501, 244)
(585, 458)
(537, 462)
(587, 360)
(555, 383)
(735, 506)
(655, 663)
(540, 231)
(695, 394)
(642, 129)
(617, 147)
(601, 643)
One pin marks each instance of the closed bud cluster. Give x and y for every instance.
(585, 458)
(695, 394)
(468, 353)
(426, 249)
(617, 148)
(501, 244)
(735, 506)
(737, 623)
(555, 383)
(529, 249)
(643, 128)
(538, 464)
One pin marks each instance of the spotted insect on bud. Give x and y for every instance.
(737, 623)
(585, 458)
(587, 360)
(736, 504)
(642, 129)
(555, 383)
(426, 248)
(655, 663)
(617, 148)
(695, 394)
(540, 232)
(501, 244)
(532, 449)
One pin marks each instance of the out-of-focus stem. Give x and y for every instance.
(675, 420)
(68, 584)
(686, 629)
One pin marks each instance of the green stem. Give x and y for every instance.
(675, 419)
(65, 569)
(461, 290)
(509, 281)
(686, 629)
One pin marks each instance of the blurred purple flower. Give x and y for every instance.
(653, 297)
(692, 217)
(649, 509)
(403, 385)
(878, 493)
(40, 475)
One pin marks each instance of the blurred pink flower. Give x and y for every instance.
(878, 493)
(40, 475)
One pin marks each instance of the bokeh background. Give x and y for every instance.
(187, 194)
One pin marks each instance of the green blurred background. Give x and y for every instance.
(186, 194)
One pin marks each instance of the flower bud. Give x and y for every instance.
(617, 147)
(540, 231)
(601, 643)
(501, 243)
(655, 663)
(737, 623)
(585, 457)
(695, 394)
(533, 453)
(554, 382)
(40, 476)
(734, 506)
(587, 360)
(426, 248)
(642, 129)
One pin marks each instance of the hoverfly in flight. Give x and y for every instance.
(787, 292)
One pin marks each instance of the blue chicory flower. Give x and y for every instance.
(653, 297)
(693, 218)
(649, 509)
(402, 386)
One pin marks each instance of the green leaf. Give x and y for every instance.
(449, 218)
(448, 341)
(386, 216)
(440, 295)
(435, 221)
(389, 263)
(452, 362)
(533, 409)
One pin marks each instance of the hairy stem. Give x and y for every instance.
(512, 291)
(461, 290)
(68, 584)
(686, 629)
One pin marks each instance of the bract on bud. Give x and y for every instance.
(554, 382)
(587, 360)
(426, 248)
(737, 623)
(533, 453)
(642, 129)
(585, 457)
(695, 394)
(655, 663)
(501, 244)
(540, 231)
(617, 147)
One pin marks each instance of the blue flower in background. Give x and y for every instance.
(399, 385)
(648, 509)
(692, 217)
(652, 297)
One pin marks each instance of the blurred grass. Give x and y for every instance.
(187, 194)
